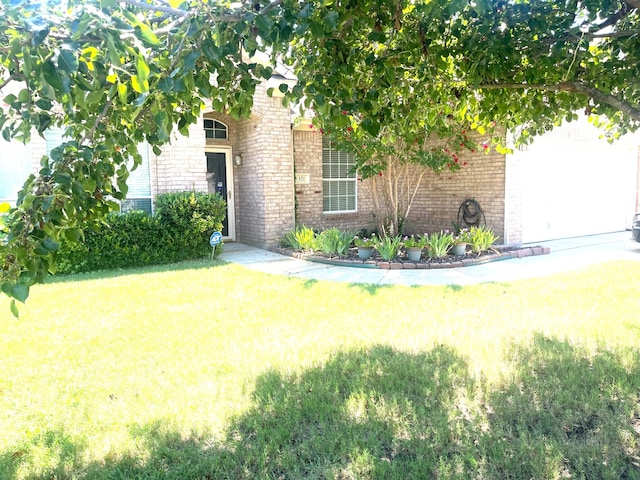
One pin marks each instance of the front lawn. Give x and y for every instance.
(213, 371)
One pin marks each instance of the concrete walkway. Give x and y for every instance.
(566, 255)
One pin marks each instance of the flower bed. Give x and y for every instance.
(340, 247)
(448, 261)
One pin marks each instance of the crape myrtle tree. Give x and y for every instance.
(402, 84)
(404, 81)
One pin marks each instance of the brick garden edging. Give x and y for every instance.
(400, 264)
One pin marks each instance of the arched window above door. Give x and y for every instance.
(215, 130)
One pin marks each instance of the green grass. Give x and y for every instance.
(213, 371)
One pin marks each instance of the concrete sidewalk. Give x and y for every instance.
(566, 255)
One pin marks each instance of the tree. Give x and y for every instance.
(114, 73)
(410, 72)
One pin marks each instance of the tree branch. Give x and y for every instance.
(613, 19)
(271, 6)
(155, 8)
(103, 114)
(184, 15)
(577, 87)
(618, 34)
(12, 78)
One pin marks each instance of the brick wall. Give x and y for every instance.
(262, 189)
(182, 164)
(264, 181)
(435, 206)
(307, 146)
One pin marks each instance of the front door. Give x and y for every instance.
(218, 182)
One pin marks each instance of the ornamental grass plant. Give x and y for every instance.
(438, 243)
(481, 238)
(388, 247)
(334, 241)
(301, 238)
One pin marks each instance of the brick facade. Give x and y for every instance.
(434, 208)
(267, 202)
(307, 148)
(263, 190)
(265, 181)
(437, 204)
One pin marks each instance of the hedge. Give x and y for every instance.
(178, 230)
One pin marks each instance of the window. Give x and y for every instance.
(215, 129)
(15, 167)
(338, 179)
(139, 182)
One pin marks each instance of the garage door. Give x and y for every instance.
(576, 184)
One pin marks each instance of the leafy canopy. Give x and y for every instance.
(114, 73)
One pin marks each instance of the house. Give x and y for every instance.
(276, 174)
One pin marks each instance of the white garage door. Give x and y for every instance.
(576, 184)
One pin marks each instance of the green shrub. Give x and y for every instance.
(301, 238)
(179, 230)
(191, 217)
(334, 241)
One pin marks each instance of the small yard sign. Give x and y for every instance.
(214, 241)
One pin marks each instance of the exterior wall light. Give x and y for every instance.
(237, 159)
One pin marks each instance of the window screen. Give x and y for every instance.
(338, 179)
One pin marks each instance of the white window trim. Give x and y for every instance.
(355, 185)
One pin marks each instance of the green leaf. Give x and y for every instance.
(9, 99)
(67, 61)
(165, 85)
(114, 53)
(138, 85)
(50, 244)
(122, 92)
(371, 127)
(63, 178)
(73, 234)
(161, 120)
(14, 309)
(19, 291)
(51, 75)
(89, 185)
(24, 95)
(148, 37)
(331, 21)
(142, 68)
(263, 23)
(143, 31)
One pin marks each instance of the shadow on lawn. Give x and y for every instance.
(382, 413)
